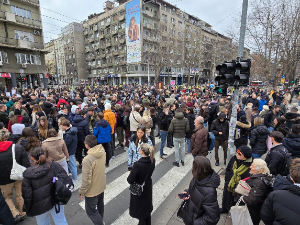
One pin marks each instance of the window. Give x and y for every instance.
(28, 59)
(172, 20)
(21, 12)
(115, 17)
(101, 22)
(164, 17)
(24, 35)
(3, 57)
(180, 23)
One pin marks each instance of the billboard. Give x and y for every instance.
(133, 34)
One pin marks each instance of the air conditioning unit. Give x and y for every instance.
(1, 63)
(24, 66)
(37, 32)
(6, 2)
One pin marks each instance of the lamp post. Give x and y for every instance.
(298, 58)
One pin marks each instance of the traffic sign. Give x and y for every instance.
(287, 81)
(282, 80)
(283, 76)
(173, 82)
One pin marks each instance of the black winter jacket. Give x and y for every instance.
(282, 207)
(6, 218)
(269, 119)
(4, 118)
(164, 122)
(292, 143)
(223, 127)
(46, 107)
(70, 138)
(275, 159)
(258, 139)
(120, 118)
(82, 127)
(212, 112)
(37, 187)
(244, 129)
(255, 102)
(191, 119)
(261, 186)
(6, 160)
(291, 119)
(202, 208)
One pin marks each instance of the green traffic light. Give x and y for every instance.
(220, 90)
(292, 81)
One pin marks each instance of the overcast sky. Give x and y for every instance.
(219, 13)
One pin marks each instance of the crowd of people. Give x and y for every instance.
(56, 132)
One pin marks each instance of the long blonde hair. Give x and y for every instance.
(148, 151)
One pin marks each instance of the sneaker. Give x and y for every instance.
(18, 218)
(217, 163)
(163, 158)
(23, 218)
(176, 164)
(225, 162)
(118, 146)
(182, 162)
(164, 154)
(125, 148)
(107, 164)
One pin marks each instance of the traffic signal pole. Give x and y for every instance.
(231, 147)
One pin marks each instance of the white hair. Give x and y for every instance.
(260, 164)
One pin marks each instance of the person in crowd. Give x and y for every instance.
(83, 130)
(74, 111)
(204, 113)
(119, 125)
(279, 125)
(9, 104)
(37, 188)
(26, 121)
(93, 180)
(47, 106)
(3, 115)
(154, 121)
(36, 108)
(56, 149)
(164, 126)
(292, 141)
(220, 128)
(29, 141)
(254, 101)
(146, 121)
(70, 138)
(8, 186)
(42, 128)
(275, 158)
(91, 117)
(197, 110)
(109, 116)
(199, 143)
(202, 203)
(254, 114)
(191, 118)
(240, 112)
(237, 169)
(212, 112)
(221, 104)
(291, 117)
(281, 206)
(248, 111)
(141, 172)
(242, 131)
(264, 111)
(16, 129)
(136, 141)
(126, 126)
(102, 131)
(178, 128)
(135, 119)
(270, 117)
(18, 106)
(261, 183)
(284, 107)
(17, 118)
(262, 102)
(258, 138)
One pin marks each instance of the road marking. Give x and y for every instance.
(117, 186)
(161, 189)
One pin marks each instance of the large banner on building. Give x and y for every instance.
(133, 34)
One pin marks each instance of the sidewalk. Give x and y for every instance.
(225, 219)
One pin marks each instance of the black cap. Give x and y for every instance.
(246, 151)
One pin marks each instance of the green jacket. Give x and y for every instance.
(179, 126)
(9, 104)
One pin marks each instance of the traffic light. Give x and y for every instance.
(292, 81)
(221, 85)
(244, 68)
(222, 89)
(147, 1)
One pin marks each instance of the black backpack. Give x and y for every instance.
(287, 157)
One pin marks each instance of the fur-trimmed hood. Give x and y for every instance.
(243, 125)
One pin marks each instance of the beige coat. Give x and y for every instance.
(56, 148)
(134, 119)
(148, 123)
(93, 172)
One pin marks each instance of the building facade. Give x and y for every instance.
(21, 44)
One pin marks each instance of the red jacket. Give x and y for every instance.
(61, 101)
(20, 118)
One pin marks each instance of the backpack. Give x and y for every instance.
(287, 157)
(211, 141)
(50, 121)
(212, 109)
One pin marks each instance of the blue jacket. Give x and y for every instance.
(102, 131)
(82, 127)
(262, 102)
(71, 117)
(134, 151)
(70, 138)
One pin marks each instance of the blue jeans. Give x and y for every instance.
(188, 141)
(59, 218)
(255, 156)
(72, 166)
(163, 136)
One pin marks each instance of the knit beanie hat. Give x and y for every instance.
(243, 119)
(17, 112)
(246, 151)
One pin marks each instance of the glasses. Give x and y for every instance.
(239, 152)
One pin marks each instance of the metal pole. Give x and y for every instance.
(275, 65)
(298, 58)
(232, 124)
(148, 75)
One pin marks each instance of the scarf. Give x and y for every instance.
(237, 173)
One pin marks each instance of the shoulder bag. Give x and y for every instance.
(17, 170)
(243, 188)
(240, 214)
(137, 189)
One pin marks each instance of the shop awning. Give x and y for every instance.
(5, 75)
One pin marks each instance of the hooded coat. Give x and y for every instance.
(6, 161)
(292, 143)
(46, 107)
(102, 131)
(134, 119)
(218, 126)
(62, 101)
(202, 207)
(93, 172)
(244, 131)
(148, 123)
(275, 159)
(72, 113)
(291, 119)
(70, 138)
(282, 206)
(191, 118)
(56, 148)
(110, 117)
(258, 139)
(37, 187)
(199, 144)
(179, 126)
(82, 126)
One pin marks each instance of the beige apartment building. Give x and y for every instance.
(21, 44)
(174, 45)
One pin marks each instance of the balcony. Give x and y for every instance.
(101, 36)
(122, 18)
(122, 41)
(30, 22)
(108, 45)
(109, 64)
(106, 24)
(28, 45)
(152, 15)
(97, 47)
(122, 30)
(31, 2)
(109, 55)
(114, 32)
(115, 53)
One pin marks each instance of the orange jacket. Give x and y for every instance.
(110, 117)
